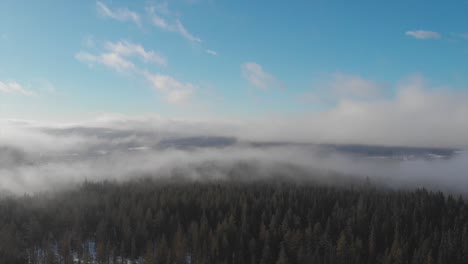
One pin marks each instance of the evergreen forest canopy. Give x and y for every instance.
(258, 221)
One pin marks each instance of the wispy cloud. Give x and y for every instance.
(164, 19)
(112, 60)
(211, 52)
(12, 87)
(120, 14)
(258, 77)
(423, 34)
(173, 90)
(117, 54)
(125, 48)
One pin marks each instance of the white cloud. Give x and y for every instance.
(12, 87)
(258, 77)
(423, 34)
(121, 14)
(125, 48)
(211, 52)
(112, 60)
(184, 32)
(162, 18)
(419, 115)
(174, 91)
(117, 53)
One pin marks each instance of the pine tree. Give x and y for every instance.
(342, 249)
(372, 247)
(267, 257)
(282, 258)
(149, 254)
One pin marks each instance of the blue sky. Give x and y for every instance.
(198, 58)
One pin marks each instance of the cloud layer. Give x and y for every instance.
(45, 156)
(41, 157)
(417, 115)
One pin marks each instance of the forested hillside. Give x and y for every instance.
(233, 222)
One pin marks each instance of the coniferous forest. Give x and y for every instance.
(151, 221)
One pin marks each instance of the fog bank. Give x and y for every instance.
(41, 157)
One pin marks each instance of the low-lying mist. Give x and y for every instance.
(38, 157)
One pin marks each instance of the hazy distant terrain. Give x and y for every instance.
(37, 157)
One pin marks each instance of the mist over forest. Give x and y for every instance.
(38, 157)
(145, 189)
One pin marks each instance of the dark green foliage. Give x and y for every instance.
(229, 222)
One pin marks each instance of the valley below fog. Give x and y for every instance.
(37, 158)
